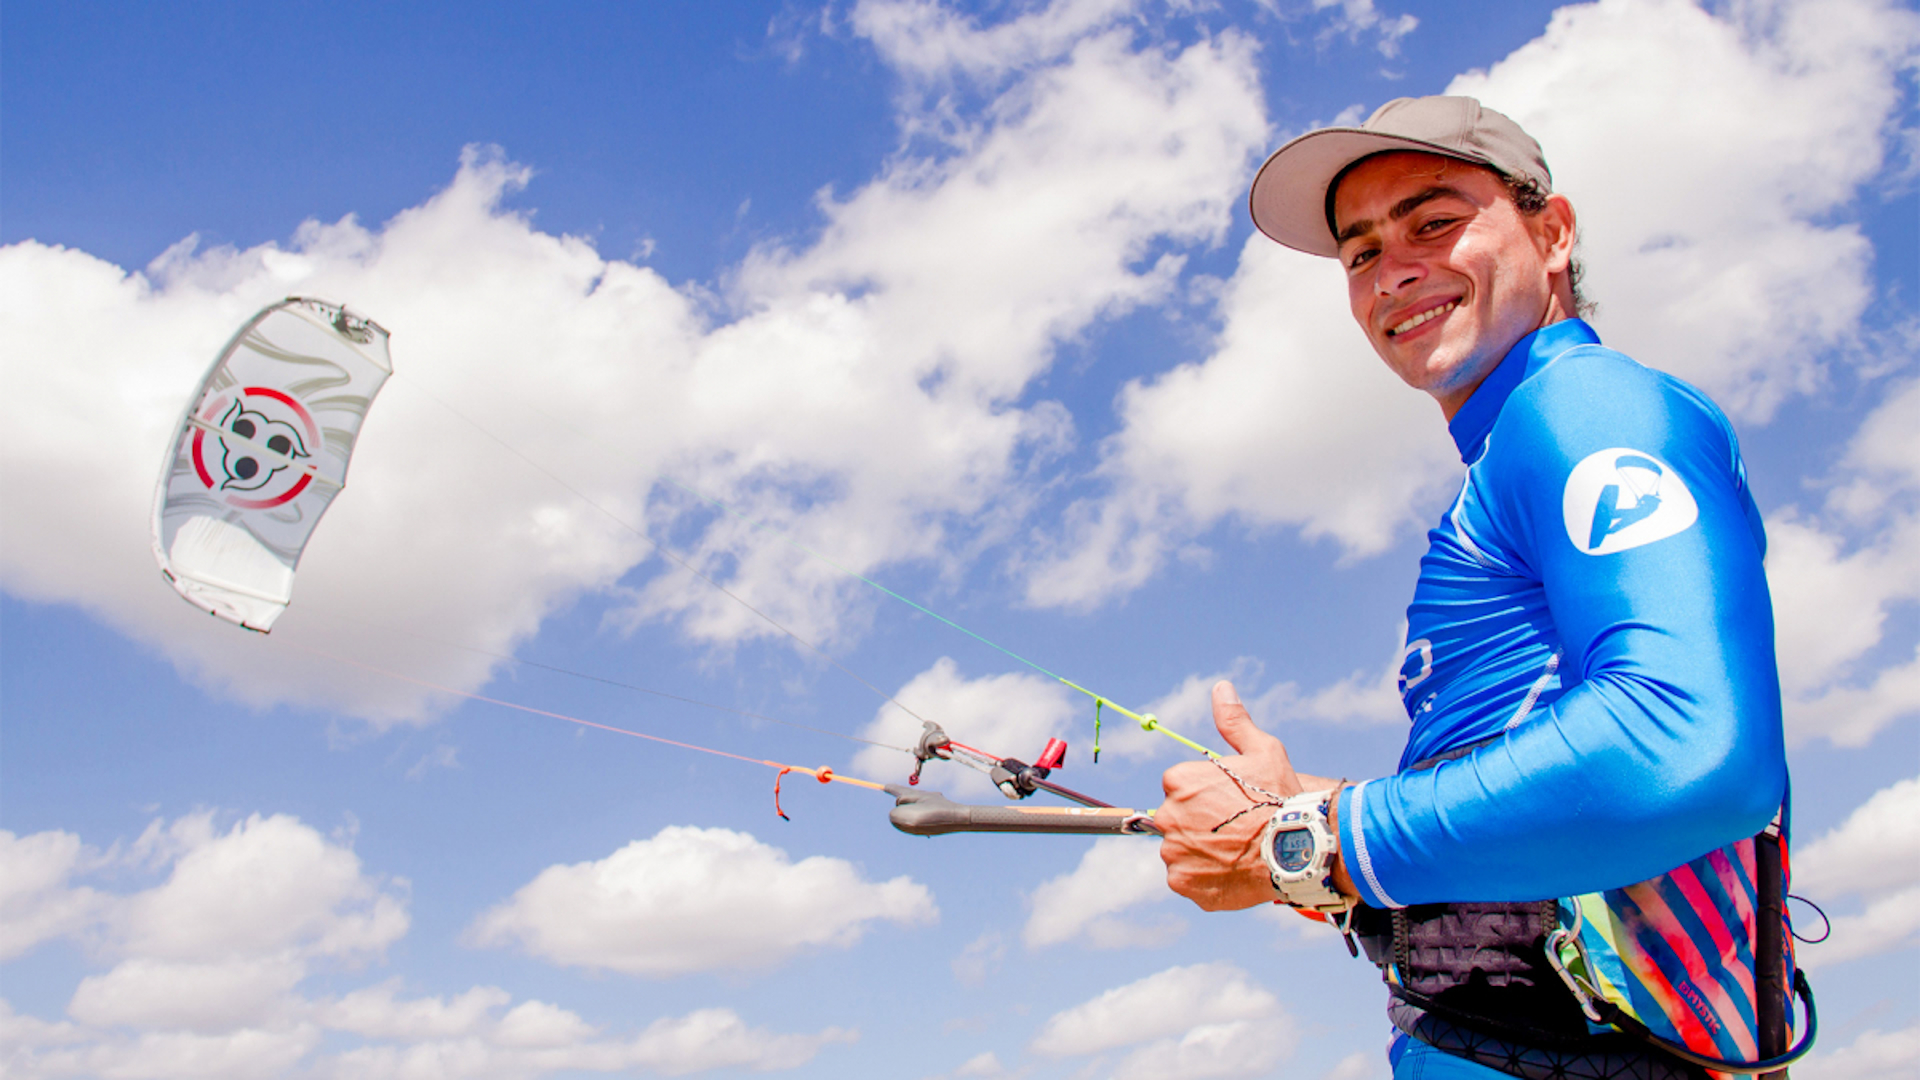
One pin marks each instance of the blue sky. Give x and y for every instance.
(963, 296)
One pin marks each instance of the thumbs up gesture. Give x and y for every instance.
(1213, 856)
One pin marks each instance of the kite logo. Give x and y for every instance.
(1622, 498)
(262, 440)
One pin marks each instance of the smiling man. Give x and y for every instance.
(1576, 869)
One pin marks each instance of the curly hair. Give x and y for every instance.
(1530, 198)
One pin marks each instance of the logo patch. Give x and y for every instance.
(1410, 675)
(1621, 498)
(232, 463)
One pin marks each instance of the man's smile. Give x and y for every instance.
(1412, 322)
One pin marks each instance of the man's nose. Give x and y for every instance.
(1397, 272)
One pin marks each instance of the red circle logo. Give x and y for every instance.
(261, 450)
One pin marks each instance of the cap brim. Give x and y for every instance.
(1289, 196)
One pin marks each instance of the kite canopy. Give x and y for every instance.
(260, 453)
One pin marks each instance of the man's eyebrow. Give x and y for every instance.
(1400, 209)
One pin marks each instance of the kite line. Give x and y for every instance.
(1147, 721)
(260, 454)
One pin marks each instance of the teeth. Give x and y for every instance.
(1432, 313)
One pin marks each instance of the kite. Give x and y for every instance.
(260, 453)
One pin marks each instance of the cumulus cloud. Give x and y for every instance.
(1875, 1055)
(265, 892)
(1061, 199)
(1115, 875)
(36, 900)
(1012, 714)
(1201, 1020)
(1875, 855)
(1357, 18)
(1781, 111)
(1837, 572)
(1367, 697)
(546, 1040)
(1360, 1065)
(268, 883)
(180, 998)
(377, 1012)
(983, 1064)
(926, 39)
(195, 996)
(692, 899)
(205, 961)
(980, 959)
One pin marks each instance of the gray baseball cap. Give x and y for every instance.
(1292, 197)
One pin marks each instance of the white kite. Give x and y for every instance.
(260, 453)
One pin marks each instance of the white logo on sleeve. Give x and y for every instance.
(1622, 498)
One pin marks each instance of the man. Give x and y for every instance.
(1596, 733)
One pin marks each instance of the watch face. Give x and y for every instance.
(1293, 850)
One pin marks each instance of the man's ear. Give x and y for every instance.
(1553, 230)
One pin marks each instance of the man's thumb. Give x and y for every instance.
(1236, 726)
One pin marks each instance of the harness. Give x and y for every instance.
(1508, 985)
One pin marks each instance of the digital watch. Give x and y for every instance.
(1299, 849)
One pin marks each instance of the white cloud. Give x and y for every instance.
(240, 1054)
(19, 1033)
(1725, 264)
(377, 1013)
(718, 1038)
(1362, 699)
(1115, 875)
(1012, 715)
(699, 1041)
(1875, 1055)
(267, 894)
(267, 884)
(1292, 421)
(1050, 207)
(1875, 854)
(205, 962)
(1876, 848)
(536, 1024)
(180, 999)
(927, 39)
(1358, 17)
(980, 959)
(183, 998)
(1837, 574)
(209, 996)
(1853, 715)
(693, 899)
(36, 901)
(1187, 710)
(1201, 1020)
(984, 1064)
(1360, 1065)
(1889, 922)
(1719, 265)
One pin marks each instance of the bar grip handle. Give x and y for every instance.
(929, 813)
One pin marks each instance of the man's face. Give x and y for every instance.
(1443, 272)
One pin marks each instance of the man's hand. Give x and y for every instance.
(1223, 871)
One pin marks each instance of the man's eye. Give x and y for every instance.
(1359, 258)
(1434, 225)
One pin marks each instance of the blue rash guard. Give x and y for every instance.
(1590, 662)
(1593, 609)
